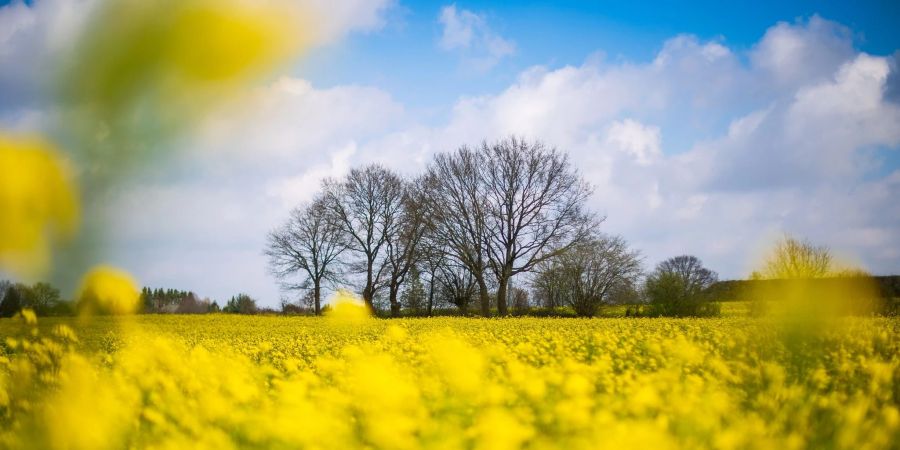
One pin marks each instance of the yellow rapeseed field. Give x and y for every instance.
(223, 382)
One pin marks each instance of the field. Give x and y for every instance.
(225, 381)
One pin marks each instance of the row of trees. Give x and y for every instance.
(186, 302)
(459, 234)
(475, 219)
(41, 297)
(175, 301)
(45, 300)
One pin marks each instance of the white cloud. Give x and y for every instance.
(248, 167)
(803, 52)
(640, 141)
(699, 150)
(335, 19)
(469, 33)
(31, 38)
(789, 159)
(796, 159)
(302, 188)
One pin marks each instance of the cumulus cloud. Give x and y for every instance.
(640, 141)
(335, 19)
(795, 156)
(31, 37)
(784, 159)
(807, 51)
(239, 178)
(469, 33)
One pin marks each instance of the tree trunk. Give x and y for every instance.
(368, 291)
(317, 293)
(501, 294)
(395, 305)
(431, 294)
(483, 296)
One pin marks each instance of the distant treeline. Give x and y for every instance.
(888, 287)
(46, 300)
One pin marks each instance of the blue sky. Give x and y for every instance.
(404, 59)
(708, 129)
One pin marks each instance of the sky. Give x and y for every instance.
(705, 129)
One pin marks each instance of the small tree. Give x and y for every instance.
(241, 304)
(793, 259)
(535, 207)
(308, 245)
(519, 299)
(367, 205)
(414, 296)
(586, 275)
(40, 297)
(12, 302)
(190, 304)
(678, 288)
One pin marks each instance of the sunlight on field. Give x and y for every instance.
(273, 382)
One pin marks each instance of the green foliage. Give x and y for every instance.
(671, 296)
(679, 287)
(12, 302)
(241, 304)
(41, 297)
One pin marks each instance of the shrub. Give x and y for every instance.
(679, 287)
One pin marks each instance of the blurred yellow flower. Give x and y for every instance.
(107, 290)
(38, 203)
(169, 59)
(345, 307)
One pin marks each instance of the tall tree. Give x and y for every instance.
(403, 247)
(433, 257)
(535, 207)
(367, 205)
(309, 244)
(455, 213)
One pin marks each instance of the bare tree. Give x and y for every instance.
(402, 247)
(456, 285)
(309, 244)
(535, 207)
(519, 297)
(795, 259)
(690, 269)
(586, 274)
(547, 286)
(367, 205)
(433, 256)
(455, 213)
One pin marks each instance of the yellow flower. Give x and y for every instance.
(38, 204)
(107, 290)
